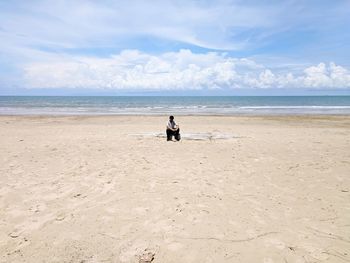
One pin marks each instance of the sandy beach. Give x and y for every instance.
(110, 189)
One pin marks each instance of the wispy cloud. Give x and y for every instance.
(73, 24)
(222, 25)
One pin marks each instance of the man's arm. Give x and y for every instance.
(168, 128)
(175, 129)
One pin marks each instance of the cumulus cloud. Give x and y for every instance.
(182, 70)
(332, 76)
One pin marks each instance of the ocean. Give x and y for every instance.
(177, 105)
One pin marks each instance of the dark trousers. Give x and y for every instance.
(170, 134)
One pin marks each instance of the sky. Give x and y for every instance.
(192, 47)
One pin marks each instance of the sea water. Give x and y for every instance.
(176, 105)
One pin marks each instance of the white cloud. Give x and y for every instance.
(322, 76)
(183, 70)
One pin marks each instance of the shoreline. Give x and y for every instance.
(232, 114)
(180, 115)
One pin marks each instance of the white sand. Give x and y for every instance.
(84, 189)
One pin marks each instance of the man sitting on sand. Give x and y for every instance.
(172, 129)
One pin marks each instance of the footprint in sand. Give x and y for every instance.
(60, 217)
(16, 233)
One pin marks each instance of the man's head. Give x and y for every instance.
(171, 118)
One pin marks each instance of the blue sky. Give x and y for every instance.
(174, 47)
